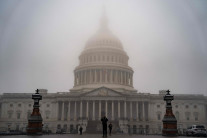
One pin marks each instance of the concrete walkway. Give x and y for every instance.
(88, 136)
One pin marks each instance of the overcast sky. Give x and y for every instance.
(41, 40)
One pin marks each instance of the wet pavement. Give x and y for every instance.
(88, 136)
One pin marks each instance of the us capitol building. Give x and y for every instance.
(103, 85)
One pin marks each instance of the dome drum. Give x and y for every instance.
(103, 76)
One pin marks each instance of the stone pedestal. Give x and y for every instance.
(169, 120)
(35, 119)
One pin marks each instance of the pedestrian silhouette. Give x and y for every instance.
(110, 128)
(80, 129)
(104, 124)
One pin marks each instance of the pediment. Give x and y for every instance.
(103, 91)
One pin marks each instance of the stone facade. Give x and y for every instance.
(103, 85)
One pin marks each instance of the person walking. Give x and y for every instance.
(104, 121)
(110, 128)
(80, 129)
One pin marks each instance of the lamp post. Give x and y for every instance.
(169, 120)
(35, 119)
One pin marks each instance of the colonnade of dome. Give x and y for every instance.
(103, 56)
(103, 76)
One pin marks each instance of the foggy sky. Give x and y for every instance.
(41, 40)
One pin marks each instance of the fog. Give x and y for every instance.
(41, 40)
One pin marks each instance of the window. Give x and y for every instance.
(19, 105)
(158, 106)
(90, 58)
(11, 105)
(29, 105)
(195, 106)
(195, 116)
(158, 117)
(176, 106)
(10, 115)
(48, 105)
(18, 115)
(47, 114)
(95, 58)
(187, 115)
(159, 128)
(28, 114)
(177, 115)
(186, 106)
(17, 127)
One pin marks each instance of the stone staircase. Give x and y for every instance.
(95, 127)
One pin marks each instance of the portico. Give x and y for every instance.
(103, 101)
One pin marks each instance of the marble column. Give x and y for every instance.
(78, 79)
(93, 110)
(127, 79)
(99, 110)
(75, 79)
(57, 110)
(81, 77)
(137, 111)
(62, 117)
(118, 109)
(121, 77)
(87, 110)
(115, 76)
(130, 110)
(95, 72)
(86, 75)
(81, 109)
(131, 79)
(69, 110)
(111, 76)
(125, 113)
(100, 75)
(143, 111)
(124, 78)
(90, 78)
(106, 108)
(112, 108)
(75, 111)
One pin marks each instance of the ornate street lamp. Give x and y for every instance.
(35, 119)
(169, 120)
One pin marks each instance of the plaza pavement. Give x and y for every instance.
(88, 136)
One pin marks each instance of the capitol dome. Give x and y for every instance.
(103, 63)
(104, 38)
